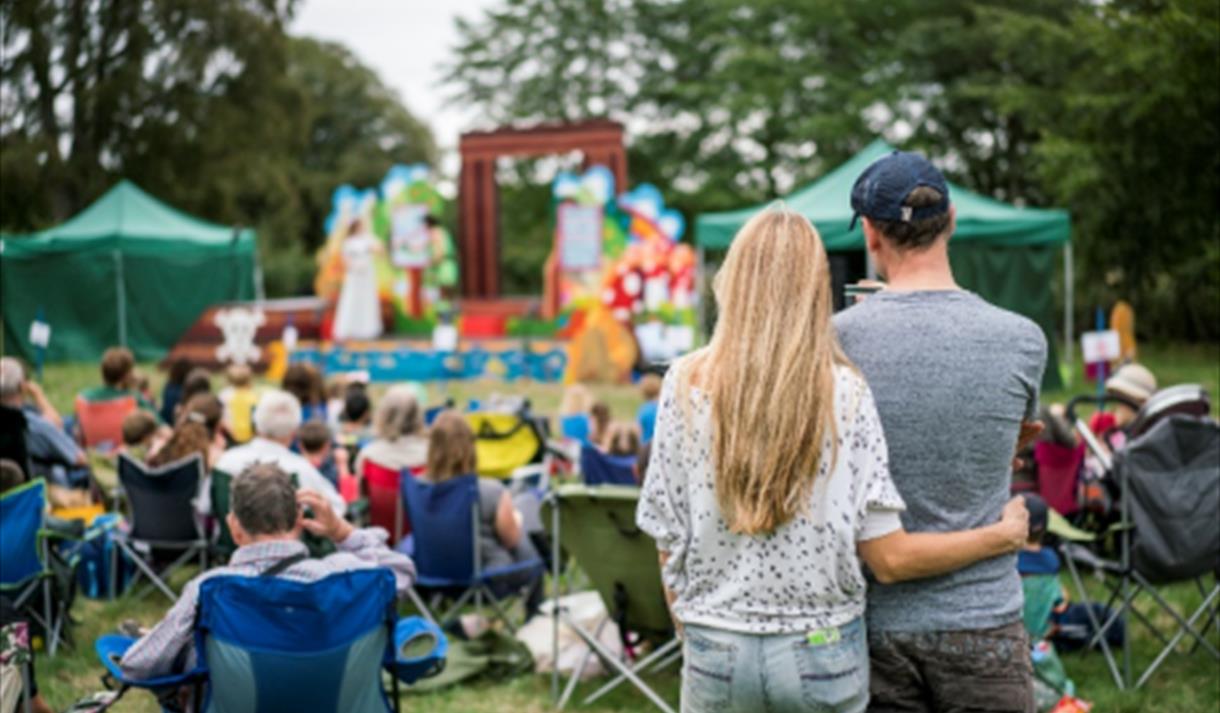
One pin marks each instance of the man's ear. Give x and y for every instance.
(872, 236)
(240, 538)
(952, 219)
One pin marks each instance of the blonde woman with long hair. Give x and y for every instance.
(769, 484)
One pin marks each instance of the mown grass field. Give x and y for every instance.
(1186, 684)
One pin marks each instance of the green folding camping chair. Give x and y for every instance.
(621, 562)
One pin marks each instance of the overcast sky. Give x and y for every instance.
(404, 41)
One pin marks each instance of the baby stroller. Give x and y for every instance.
(1097, 488)
(511, 444)
(1151, 498)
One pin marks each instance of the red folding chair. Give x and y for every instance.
(101, 422)
(385, 500)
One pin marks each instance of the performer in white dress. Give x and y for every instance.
(358, 315)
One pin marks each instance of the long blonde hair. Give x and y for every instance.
(769, 372)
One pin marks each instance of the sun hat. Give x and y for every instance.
(1132, 381)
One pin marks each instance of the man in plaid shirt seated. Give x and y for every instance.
(266, 520)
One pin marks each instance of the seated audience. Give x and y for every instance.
(142, 435)
(266, 520)
(197, 431)
(317, 445)
(650, 390)
(118, 379)
(277, 417)
(53, 453)
(11, 475)
(574, 408)
(198, 381)
(398, 432)
(354, 420)
(336, 393)
(1134, 384)
(502, 539)
(239, 399)
(599, 422)
(622, 439)
(171, 392)
(1038, 566)
(304, 381)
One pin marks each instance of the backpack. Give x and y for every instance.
(94, 553)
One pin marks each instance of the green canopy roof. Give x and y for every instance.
(827, 204)
(127, 218)
(127, 270)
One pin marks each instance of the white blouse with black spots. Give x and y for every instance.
(803, 576)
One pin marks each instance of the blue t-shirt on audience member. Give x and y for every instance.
(647, 416)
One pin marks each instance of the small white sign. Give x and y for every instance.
(290, 337)
(40, 334)
(1097, 347)
(445, 338)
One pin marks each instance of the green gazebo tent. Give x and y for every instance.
(127, 270)
(1004, 253)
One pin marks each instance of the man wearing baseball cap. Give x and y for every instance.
(955, 381)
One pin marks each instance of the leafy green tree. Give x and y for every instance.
(209, 105)
(1108, 109)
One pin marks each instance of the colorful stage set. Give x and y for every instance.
(399, 299)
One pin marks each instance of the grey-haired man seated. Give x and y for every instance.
(266, 519)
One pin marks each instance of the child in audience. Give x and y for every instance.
(239, 399)
(336, 398)
(574, 413)
(599, 422)
(317, 446)
(304, 381)
(142, 435)
(650, 390)
(1039, 569)
(622, 439)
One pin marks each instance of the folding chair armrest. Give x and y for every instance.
(63, 531)
(410, 669)
(110, 649)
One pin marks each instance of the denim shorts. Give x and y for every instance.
(822, 670)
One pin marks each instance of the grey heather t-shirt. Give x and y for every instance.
(953, 377)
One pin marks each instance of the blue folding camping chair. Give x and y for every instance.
(597, 468)
(25, 559)
(276, 645)
(446, 553)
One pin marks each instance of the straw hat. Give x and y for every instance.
(1132, 381)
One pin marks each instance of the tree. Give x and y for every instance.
(209, 105)
(1108, 109)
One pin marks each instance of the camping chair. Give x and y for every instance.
(621, 562)
(101, 422)
(446, 553)
(1169, 479)
(25, 560)
(598, 468)
(510, 447)
(385, 500)
(222, 544)
(272, 644)
(162, 513)
(220, 487)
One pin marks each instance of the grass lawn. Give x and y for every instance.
(1184, 684)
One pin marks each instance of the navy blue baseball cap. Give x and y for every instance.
(879, 192)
